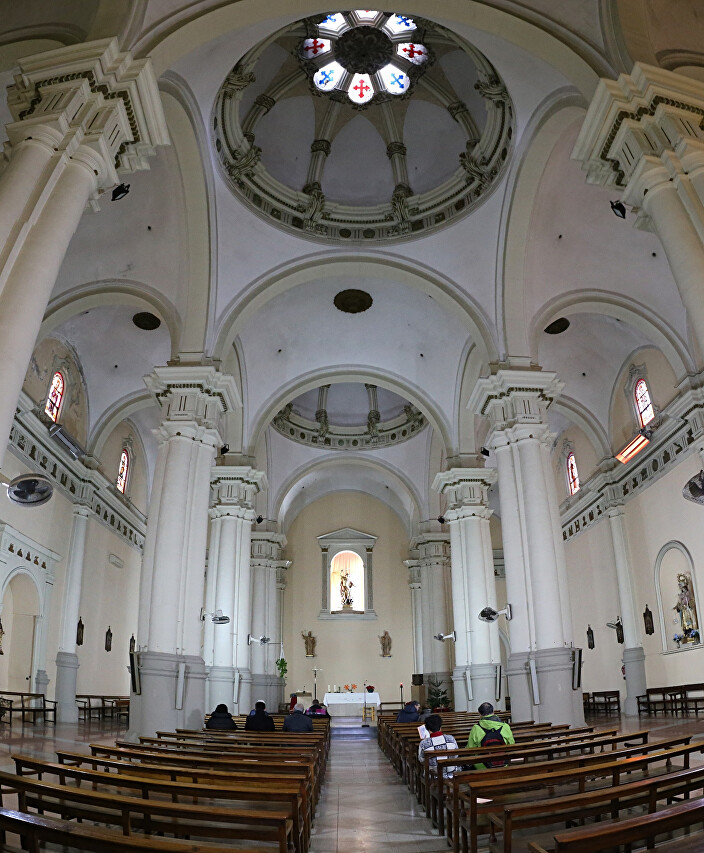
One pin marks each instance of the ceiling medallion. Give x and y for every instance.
(365, 54)
(373, 435)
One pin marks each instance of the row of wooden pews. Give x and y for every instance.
(207, 790)
(554, 779)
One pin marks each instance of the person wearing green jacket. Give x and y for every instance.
(488, 732)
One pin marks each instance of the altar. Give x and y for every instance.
(349, 704)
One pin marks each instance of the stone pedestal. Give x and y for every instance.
(221, 686)
(634, 663)
(65, 693)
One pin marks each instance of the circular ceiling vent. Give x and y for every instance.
(353, 301)
(557, 327)
(146, 321)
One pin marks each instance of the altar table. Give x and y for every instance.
(349, 704)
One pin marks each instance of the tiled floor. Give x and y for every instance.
(363, 806)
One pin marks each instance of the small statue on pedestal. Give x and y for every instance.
(310, 642)
(385, 641)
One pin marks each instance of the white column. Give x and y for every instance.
(69, 137)
(41, 679)
(633, 654)
(516, 402)
(414, 582)
(234, 488)
(268, 582)
(642, 136)
(473, 586)
(194, 400)
(66, 658)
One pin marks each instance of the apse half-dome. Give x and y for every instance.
(363, 126)
(349, 416)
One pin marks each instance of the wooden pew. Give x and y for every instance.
(150, 815)
(36, 830)
(605, 836)
(27, 706)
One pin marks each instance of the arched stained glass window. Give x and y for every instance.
(572, 474)
(644, 405)
(123, 472)
(55, 396)
(346, 582)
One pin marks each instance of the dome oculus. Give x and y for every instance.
(364, 53)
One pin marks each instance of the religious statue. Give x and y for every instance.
(385, 641)
(132, 644)
(686, 608)
(310, 642)
(346, 589)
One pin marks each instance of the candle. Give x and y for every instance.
(328, 688)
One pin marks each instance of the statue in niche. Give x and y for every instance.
(686, 609)
(108, 640)
(132, 644)
(346, 589)
(79, 632)
(310, 642)
(385, 640)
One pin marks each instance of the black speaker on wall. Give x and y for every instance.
(417, 679)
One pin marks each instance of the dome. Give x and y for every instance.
(362, 125)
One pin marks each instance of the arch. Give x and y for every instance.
(111, 292)
(582, 417)
(282, 501)
(320, 265)
(118, 412)
(38, 588)
(346, 373)
(172, 38)
(660, 333)
(550, 120)
(669, 546)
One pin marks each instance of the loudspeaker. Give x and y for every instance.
(417, 679)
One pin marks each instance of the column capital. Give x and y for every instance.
(642, 114)
(234, 487)
(466, 491)
(515, 397)
(431, 549)
(267, 547)
(93, 96)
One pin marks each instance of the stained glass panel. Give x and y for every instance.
(328, 76)
(395, 81)
(415, 53)
(361, 89)
(121, 482)
(315, 47)
(572, 474)
(644, 404)
(55, 397)
(334, 23)
(398, 24)
(366, 14)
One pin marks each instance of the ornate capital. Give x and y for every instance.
(394, 148)
(320, 145)
(267, 548)
(234, 488)
(640, 116)
(90, 96)
(466, 489)
(515, 397)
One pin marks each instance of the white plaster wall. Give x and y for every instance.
(348, 651)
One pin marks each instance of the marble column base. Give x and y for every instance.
(243, 699)
(41, 682)
(518, 677)
(483, 676)
(65, 693)
(461, 699)
(634, 662)
(268, 688)
(221, 687)
(155, 708)
(558, 702)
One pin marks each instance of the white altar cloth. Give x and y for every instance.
(349, 704)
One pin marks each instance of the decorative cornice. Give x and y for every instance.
(30, 442)
(512, 397)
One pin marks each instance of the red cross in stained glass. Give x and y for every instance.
(411, 51)
(315, 47)
(362, 88)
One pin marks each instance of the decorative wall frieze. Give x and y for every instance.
(31, 443)
(16, 547)
(681, 431)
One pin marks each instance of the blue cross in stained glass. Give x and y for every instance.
(398, 80)
(326, 77)
(402, 19)
(329, 20)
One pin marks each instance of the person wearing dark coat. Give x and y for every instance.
(297, 721)
(410, 713)
(221, 719)
(259, 721)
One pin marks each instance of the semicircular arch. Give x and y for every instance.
(119, 411)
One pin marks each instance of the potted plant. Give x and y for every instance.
(437, 696)
(282, 667)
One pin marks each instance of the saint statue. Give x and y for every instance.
(385, 641)
(346, 589)
(686, 608)
(310, 642)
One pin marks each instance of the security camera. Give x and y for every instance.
(29, 490)
(488, 614)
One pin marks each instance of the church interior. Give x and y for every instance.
(324, 332)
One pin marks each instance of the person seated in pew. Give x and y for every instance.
(410, 713)
(259, 720)
(489, 731)
(221, 719)
(297, 720)
(317, 710)
(436, 741)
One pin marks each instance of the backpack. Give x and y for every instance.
(493, 737)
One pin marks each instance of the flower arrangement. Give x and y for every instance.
(370, 688)
(350, 688)
(691, 635)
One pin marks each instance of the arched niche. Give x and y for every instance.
(672, 564)
(334, 546)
